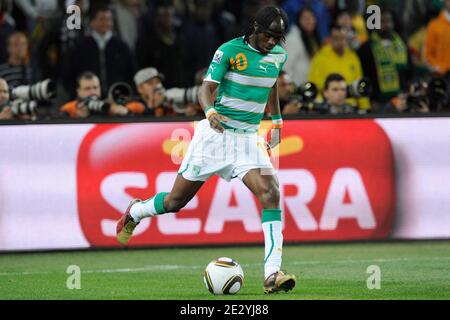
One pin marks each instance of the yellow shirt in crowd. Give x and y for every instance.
(327, 61)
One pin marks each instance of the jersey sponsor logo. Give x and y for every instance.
(333, 186)
(218, 56)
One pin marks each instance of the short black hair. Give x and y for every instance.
(264, 19)
(88, 75)
(331, 78)
(96, 10)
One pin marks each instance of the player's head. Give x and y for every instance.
(269, 28)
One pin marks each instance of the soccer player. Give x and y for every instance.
(244, 72)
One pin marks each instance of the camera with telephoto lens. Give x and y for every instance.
(359, 89)
(40, 91)
(95, 105)
(120, 93)
(27, 99)
(433, 94)
(306, 94)
(183, 96)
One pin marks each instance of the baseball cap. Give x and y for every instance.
(147, 74)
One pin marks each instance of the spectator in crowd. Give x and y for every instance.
(88, 100)
(56, 44)
(196, 30)
(7, 27)
(247, 13)
(417, 13)
(165, 48)
(337, 57)
(345, 21)
(302, 43)
(102, 53)
(292, 7)
(126, 15)
(5, 110)
(224, 21)
(17, 71)
(437, 42)
(416, 47)
(40, 16)
(335, 94)
(152, 100)
(387, 63)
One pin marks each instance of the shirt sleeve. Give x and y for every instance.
(219, 65)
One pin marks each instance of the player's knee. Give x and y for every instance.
(270, 196)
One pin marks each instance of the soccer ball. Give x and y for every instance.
(223, 276)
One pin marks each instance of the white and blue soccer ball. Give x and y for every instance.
(223, 276)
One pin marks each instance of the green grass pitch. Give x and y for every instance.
(409, 270)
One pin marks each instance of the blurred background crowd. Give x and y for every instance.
(147, 58)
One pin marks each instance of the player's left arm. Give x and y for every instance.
(277, 122)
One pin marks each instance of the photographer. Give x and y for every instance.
(152, 101)
(286, 88)
(421, 97)
(5, 109)
(88, 101)
(335, 94)
(26, 102)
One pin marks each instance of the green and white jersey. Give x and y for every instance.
(245, 78)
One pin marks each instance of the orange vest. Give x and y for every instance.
(71, 108)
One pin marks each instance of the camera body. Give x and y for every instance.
(95, 105)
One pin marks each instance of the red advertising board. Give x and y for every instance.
(337, 182)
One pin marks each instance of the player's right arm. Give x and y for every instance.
(205, 97)
(216, 72)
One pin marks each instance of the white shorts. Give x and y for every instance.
(229, 154)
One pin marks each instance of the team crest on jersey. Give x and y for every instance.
(218, 56)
